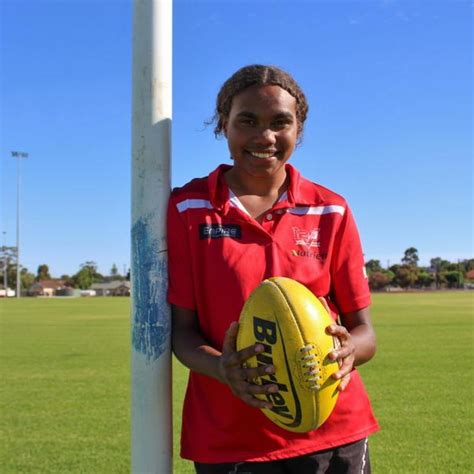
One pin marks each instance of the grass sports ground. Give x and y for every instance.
(64, 367)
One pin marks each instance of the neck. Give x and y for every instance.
(256, 186)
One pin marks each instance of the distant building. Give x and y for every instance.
(6, 293)
(113, 288)
(68, 291)
(87, 293)
(45, 288)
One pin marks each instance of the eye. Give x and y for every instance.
(249, 122)
(281, 124)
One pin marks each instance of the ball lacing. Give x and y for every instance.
(313, 375)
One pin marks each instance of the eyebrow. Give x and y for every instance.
(279, 115)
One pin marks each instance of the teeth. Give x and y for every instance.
(262, 155)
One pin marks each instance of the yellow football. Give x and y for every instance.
(290, 323)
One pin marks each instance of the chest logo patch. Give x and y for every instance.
(219, 231)
(306, 238)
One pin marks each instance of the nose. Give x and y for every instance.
(265, 137)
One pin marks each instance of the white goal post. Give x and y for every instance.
(151, 325)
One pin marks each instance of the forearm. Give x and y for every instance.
(194, 352)
(359, 325)
(365, 344)
(189, 345)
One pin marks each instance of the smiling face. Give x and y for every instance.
(261, 132)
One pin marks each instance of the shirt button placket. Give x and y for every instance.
(268, 222)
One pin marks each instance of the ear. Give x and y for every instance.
(224, 127)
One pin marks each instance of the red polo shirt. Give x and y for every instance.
(217, 255)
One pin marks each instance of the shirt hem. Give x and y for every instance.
(285, 453)
(178, 302)
(360, 302)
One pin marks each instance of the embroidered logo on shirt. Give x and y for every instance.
(306, 238)
(218, 231)
(309, 254)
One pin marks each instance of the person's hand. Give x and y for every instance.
(232, 370)
(344, 354)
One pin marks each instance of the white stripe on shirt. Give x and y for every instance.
(235, 202)
(193, 204)
(318, 210)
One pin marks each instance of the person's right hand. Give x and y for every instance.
(233, 372)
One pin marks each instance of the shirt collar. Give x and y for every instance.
(300, 191)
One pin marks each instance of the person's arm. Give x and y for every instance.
(358, 344)
(194, 352)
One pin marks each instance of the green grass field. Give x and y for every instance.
(64, 381)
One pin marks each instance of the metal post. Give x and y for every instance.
(5, 263)
(151, 325)
(18, 155)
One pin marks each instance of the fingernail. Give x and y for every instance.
(258, 348)
(269, 370)
(273, 389)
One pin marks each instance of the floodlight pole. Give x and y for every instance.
(5, 263)
(151, 322)
(18, 155)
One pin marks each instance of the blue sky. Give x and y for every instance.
(390, 126)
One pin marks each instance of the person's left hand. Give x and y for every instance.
(344, 354)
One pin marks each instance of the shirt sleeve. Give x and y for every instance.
(180, 273)
(349, 283)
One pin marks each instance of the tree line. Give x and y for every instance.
(82, 279)
(439, 274)
(407, 274)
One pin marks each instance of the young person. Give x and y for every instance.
(246, 222)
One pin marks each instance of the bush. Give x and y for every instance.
(380, 279)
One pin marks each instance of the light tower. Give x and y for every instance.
(18, 155)
(5, 262)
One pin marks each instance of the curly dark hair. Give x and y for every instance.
(257, 74)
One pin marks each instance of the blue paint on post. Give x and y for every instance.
(151, 315)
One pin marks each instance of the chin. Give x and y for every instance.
(265, 174)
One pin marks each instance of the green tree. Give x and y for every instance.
(380, 279)
(411, 257)
(454, 279)
(86, 276)
(405, 275)
(68, 281)
(373, 266)
(26, 278)
(11, 275)
(425, 279)
(114, 270)
(7, 263)
(43, 273)
(114, 274)
(438, 264)
(467, 265)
